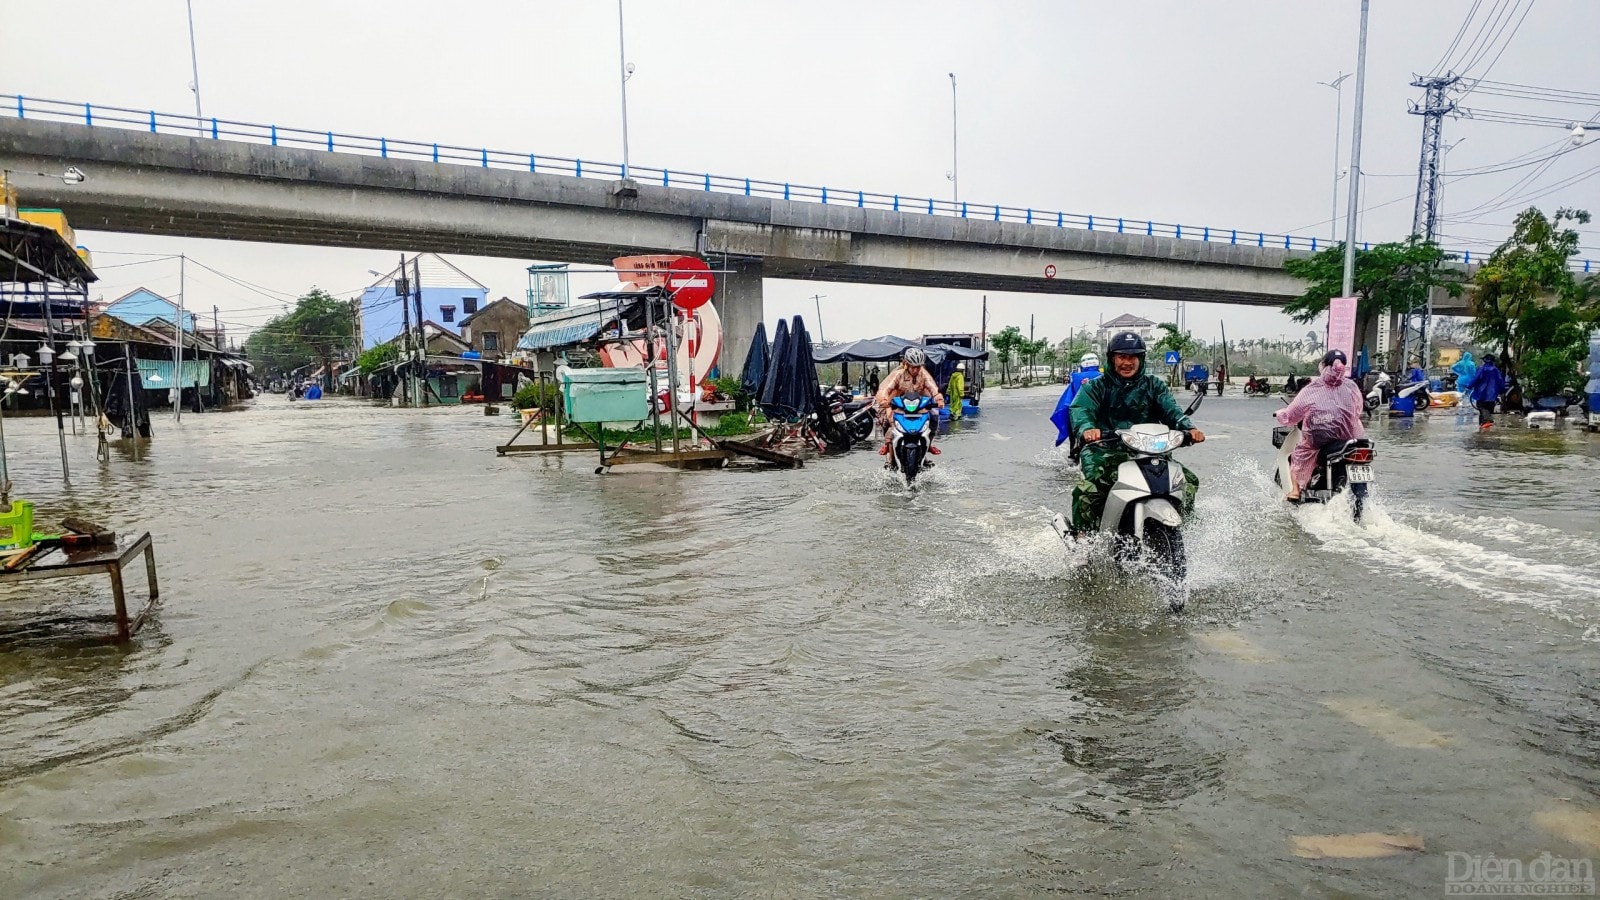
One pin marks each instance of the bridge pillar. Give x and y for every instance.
(740, 304)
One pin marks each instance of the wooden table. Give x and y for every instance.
(109, 560)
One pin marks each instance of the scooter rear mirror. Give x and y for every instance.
(1194, 404)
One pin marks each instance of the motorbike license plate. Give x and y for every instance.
(1360, 474)
(838, 417)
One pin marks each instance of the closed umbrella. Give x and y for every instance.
(756, 362)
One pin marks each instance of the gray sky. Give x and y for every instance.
(1202, 112)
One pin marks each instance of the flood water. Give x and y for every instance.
(389, 663)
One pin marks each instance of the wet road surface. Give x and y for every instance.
(390, 663)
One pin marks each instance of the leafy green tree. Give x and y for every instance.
(1389, 278)
(1181, 341)
(317, 328)
(1005, 342)
(1527, 295)
(378, 357)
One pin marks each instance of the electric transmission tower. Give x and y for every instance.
(1425, 221)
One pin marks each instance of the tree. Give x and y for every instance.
(317, 327)
(1005, 342)
(378, 357)
(1181, 341)
(1527, 295)
(1389, 278)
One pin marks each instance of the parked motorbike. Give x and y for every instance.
(1144, 508)
(1341, 466)
(1257, 387)
(910, 435)
(1384, 390)
(855, 418)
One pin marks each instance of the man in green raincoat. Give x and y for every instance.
(1124, 396)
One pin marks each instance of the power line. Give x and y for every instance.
(1457, 40)
(1507, 42)
(1492, 17)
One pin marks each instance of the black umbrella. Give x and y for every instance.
(771, 399)
(756, 361)
(807, 391)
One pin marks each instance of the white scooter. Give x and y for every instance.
(1383, 391)
(1144, 508)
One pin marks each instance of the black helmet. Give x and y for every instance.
(1125, 342)
(1332, 355)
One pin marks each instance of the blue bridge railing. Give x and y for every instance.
(21, 107)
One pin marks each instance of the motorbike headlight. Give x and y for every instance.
(1151, 443)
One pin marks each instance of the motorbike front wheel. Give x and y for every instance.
(1165, 545)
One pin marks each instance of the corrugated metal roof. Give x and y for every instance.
(577, 324)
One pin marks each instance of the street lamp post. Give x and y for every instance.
(955, 168)
(626, 70)
(194, 63)
(1348, 284)
(1338, 120)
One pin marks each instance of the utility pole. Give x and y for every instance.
(422, 334)
(817, 299)
(402, 293)
(1425, 218)
(177, 344)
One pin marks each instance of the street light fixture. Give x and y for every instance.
(1577, 134)
(1338, 121)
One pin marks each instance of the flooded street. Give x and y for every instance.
(390, 663)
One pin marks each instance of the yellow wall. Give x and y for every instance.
(53, 219)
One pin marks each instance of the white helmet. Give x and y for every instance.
(1089, 361)
(914, 357)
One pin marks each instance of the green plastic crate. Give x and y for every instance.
(606, 395)
(16, 526)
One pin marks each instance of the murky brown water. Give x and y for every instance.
(389, 663)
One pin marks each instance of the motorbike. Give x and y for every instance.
(855, 418)
(1144, 508)
(910, 435)
(1257, 388)
(1341, 466)
(1383, 391)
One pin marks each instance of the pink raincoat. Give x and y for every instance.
(1328, 409)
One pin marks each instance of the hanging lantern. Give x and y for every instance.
(76, 382)
(69, 356)
(88, 349)
(45, 354)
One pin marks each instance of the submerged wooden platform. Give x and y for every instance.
(683, 459)
(503, 449)
(751, 447)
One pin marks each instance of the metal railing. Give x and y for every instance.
(21, 107)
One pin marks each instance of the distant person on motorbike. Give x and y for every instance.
(1487, 386)
(912, 379)
(1327, 410)
(1124, 396)
(1088, 370)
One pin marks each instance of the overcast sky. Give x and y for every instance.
(1202, 112)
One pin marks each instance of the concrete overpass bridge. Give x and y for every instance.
(157, 173)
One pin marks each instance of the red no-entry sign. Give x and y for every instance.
(1050, 271)
(691, 282)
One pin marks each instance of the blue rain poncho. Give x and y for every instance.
(1061, 418)
(1466, 368)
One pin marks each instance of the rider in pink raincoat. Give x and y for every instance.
(1327, 410)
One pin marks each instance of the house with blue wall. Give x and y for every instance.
(448, 296)
(142, 306)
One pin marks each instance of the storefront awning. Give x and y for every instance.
(582, 323)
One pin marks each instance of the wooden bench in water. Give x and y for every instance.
(56, 563)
